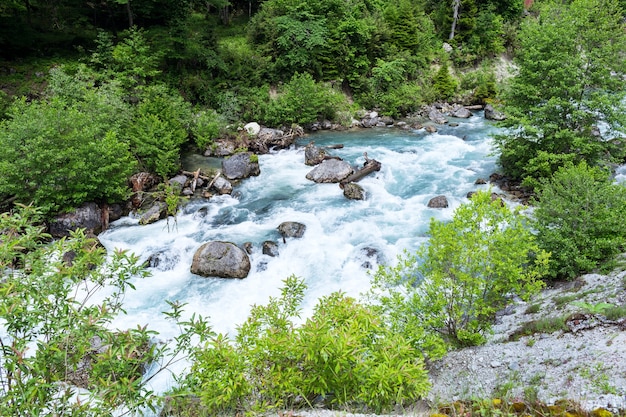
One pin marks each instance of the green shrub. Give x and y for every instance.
(206, 127)
(444, 84)
(59, 155)
(467, 271)
(159, 129)
(51, 323)
(579, 218)
(481, 83)
(302, 101)
(344, 353)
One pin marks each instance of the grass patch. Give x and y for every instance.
(533, 308)
(544, 325)
(566, 299)
(615, 312)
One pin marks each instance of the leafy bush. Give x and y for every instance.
(344, 352)
(205, 127)
(579, 218)
(445, 85)
(467, 271)
(303, 101)
(481, 83)
(159, 129)
(59, 155)
(52, 326)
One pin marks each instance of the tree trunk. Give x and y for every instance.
(129, 13)
(225, 15)
(455, 17)
(371, 165)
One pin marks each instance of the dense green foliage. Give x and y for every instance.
(303, 101)
(579, 218)
(570, 81)
(344, 353)
(466, 272)
(59, 154)
(55, 337)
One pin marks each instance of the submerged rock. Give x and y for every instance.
(291, 229)
(438, 202)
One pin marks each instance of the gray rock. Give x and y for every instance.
(223, 186)
(179, 181)
(436, 116)
(241, 165)
(252, 128)
(388, 121)
(430, 129)
(156, 212)
(88, 217)
(220, 259)
(461, 112)
(313, 155)
(438, 202)
(353, 191)
(270, 248)
(291, 229)
(221, 147)
(492, 114)
(330, 170)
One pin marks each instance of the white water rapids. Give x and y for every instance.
(416, 166)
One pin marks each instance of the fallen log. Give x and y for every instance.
(371, 165)
(194, 182)
(193, 174)
(214, 179)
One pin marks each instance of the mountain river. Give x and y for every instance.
(340, 233)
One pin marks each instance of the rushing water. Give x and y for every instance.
(333, 254)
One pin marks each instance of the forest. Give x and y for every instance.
(94, 92)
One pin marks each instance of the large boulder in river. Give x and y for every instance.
(492, 114)
(156, 212)
(241, 165)
(330, 170)
(220, 259)
(88, 217)
(291, 229)
(438, 202)
(460, 112)
(313, 155)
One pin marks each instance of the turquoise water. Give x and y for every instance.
(416, 166)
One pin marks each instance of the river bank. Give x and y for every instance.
(560, 345)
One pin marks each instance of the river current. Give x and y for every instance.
(344, 240)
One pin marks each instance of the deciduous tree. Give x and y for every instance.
(570, 81)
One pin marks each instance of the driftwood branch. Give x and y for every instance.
(371, 165)
(193, 174)
(214, 179)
